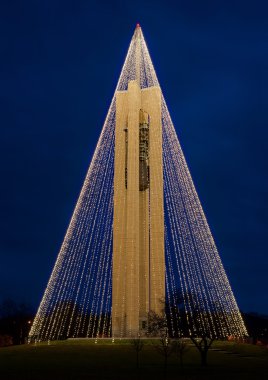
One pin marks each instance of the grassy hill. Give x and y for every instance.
(85, 359)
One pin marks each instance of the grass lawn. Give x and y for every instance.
(83, 359)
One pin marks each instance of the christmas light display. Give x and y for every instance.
(78, 299)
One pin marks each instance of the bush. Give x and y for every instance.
(5, 340)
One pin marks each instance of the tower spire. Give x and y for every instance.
(138, 53)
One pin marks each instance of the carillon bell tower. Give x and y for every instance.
(110, 271)
(138, 278)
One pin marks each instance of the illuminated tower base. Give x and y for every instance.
(138, 234)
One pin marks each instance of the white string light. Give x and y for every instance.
(78, 297)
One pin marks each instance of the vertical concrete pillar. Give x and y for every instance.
(119, 222)
(151, 102)
(132, 211)
(138, 232)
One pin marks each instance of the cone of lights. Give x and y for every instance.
(99, 286)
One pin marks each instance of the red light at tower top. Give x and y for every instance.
(138, 25)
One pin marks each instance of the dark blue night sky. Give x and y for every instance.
(60, 61)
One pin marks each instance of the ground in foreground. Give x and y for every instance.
(85, 359)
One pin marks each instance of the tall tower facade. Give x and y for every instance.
(138, 230)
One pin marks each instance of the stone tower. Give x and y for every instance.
(138, 230)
